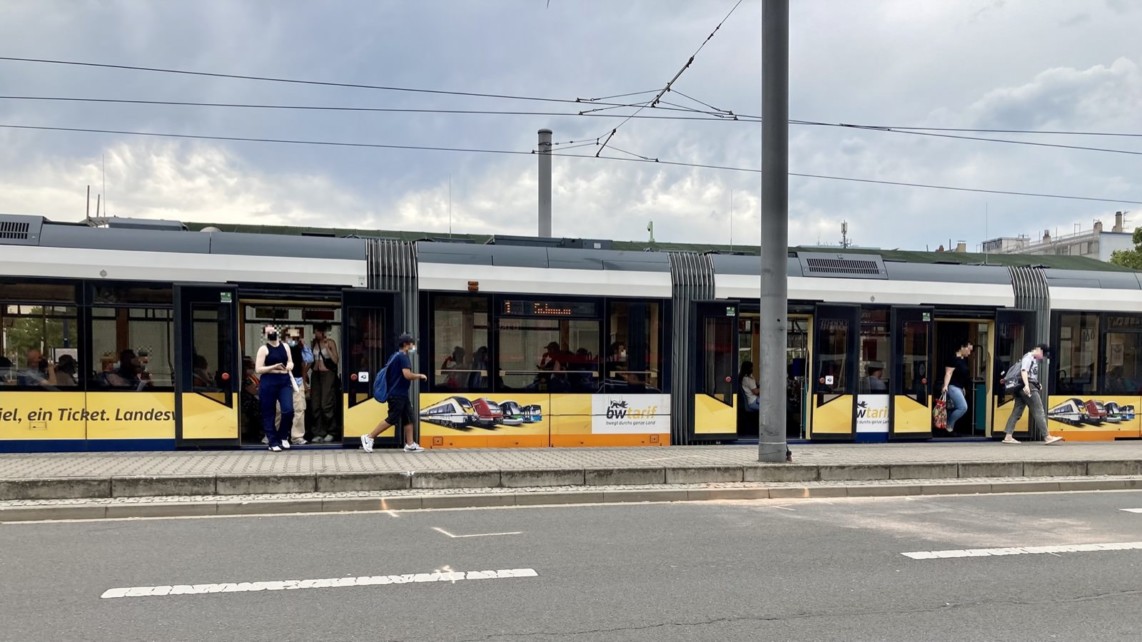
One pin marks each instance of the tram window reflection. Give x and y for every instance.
(460, 343)
(132, 338)
(549, 355)
(634, 356)
(1077, 354)
(39, 346)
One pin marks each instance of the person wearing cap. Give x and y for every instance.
(1029, 395)
(400, 377)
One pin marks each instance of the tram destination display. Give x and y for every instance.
(548, 309)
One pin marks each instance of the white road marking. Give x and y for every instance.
(392, 513)
(444, 532)
(1026, 550)
(1133, 510)
(334, 582)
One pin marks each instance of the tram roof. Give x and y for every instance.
(323, 241)
(894, 255)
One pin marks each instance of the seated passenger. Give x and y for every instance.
(876, 382)
(65, 372)
(448, 369)
(201, 375)
(478, 379)
(749, 386)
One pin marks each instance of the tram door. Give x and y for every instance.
(911, 408)
(834, 377)
(371, 325)
(1014, 336)
(714, 355)
(207, 369)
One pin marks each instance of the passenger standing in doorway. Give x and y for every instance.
(957, 378)
(275, 364)
(1028, 395)
(400, 377)
(323, 382)
(300, 372)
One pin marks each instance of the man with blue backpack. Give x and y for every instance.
(392, 387)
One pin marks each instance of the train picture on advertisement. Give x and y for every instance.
(1076, 412)
(461, 412)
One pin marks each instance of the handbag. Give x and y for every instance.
(940, 412)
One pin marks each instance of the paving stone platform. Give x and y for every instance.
(302, 470)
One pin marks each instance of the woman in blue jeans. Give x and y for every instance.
(957, 378)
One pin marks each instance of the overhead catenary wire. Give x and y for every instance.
(286, 141)
(670, 83)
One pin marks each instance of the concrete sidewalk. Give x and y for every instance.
(257, 472)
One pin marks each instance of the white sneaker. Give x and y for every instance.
(366, 444)
(327, 438)
(299, 442)
(276, 449)
(413, 448)
(285, 444)
(1052, 439)
(1009, 440)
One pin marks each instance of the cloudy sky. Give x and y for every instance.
(1073, 65)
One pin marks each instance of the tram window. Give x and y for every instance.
(132, 348)
(549, 355)
(634, 355)
(1078, 353)
(833, 358)
(40, 347)
(1123, 363)
(460, 343)
(37, 292)
(874, 341)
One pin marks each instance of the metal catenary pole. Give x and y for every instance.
(774, 228)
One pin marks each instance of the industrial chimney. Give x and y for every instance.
(545, 183)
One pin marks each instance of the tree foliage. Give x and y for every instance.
(1130, 258)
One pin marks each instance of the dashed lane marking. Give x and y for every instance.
(1026, 550)
(333, 582)
(444, 532)
(1133, 510)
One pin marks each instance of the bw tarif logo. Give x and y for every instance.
(864, 412)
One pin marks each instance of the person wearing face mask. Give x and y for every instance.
(275, 365)
(400, 378)
(300, 371)
(1027, 394)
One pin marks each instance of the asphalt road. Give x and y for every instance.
(805, 570)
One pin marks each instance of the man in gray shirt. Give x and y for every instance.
(1028, 395)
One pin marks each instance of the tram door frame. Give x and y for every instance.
(712, 411)
(1000, 399)
(903, 405)
(208, 417)
(840, 409)
(359, 412)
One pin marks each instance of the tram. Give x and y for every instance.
(138, 335)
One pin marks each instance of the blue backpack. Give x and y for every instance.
(381, 382)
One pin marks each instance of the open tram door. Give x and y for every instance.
(371, 323)
(1014, 336)
(714, 354)
(833, 384)
(208, 373)
(910, 411)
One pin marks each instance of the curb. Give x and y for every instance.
(223, 507)
(117, 486)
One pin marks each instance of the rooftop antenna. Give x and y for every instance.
(731, 221)
(650, 228)
(845, 243)
(449, 206)
(87, 215)
(986, 234)
(104, 184)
